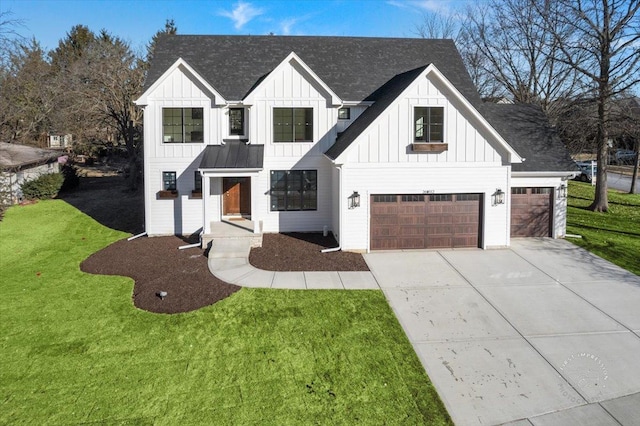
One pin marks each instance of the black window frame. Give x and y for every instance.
(294, 190)
(197, 181)
(282, 121)
(233, 130)
(427, 124)
(167, 178)
(346, 112)
(182, 127)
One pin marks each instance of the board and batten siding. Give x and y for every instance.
(182, 215)
(389, 138)
(382, 162)
(292, 87)
(559, 205)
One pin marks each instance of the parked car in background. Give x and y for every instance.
(623, 156)
(588, 171)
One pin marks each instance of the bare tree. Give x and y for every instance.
(106, 80)
(438, 25)
(515, 44)
(598, 39)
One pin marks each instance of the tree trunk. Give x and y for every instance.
(601, 199)
(636, 164)
(133, 159)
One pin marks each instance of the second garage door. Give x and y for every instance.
(531, 212)
(416, 221)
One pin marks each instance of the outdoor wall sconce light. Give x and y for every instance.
(498, 197)
(354, 200)
(562, 191)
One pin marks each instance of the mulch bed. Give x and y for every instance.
(300, 251)
(157, 265)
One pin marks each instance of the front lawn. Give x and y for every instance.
(75, 350)
(614, 236)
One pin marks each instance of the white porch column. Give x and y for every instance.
(206, 201)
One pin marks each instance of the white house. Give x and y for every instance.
(22, 163)
(384, 142)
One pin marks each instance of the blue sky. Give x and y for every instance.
(136, 21)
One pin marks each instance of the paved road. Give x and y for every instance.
(620, 182)
(542, 333)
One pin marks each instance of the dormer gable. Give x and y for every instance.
(397, 89)
(292, 60)
(183, 67)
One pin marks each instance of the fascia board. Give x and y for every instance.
(335, 99)
(217, 97)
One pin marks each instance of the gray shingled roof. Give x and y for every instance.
(353, 67)
(16, 157)
(526, 128)
(233, 155)
(383, 97)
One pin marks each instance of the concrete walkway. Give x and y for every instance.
(229, 261)
(543, 333)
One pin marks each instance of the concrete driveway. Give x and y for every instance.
(542, 333)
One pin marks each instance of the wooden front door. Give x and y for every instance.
(236, 196)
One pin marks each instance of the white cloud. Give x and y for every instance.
(287, 24)
(439, 6)
(241, 13)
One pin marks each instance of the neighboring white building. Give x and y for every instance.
(22, 163)
(60, 141)
(385, 142)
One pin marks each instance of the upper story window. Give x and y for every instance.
(293, 124)
(182, 125)
(344, 114)
(429, 124)
(236, 121)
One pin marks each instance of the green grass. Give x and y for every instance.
(75, 350)
(615, 235)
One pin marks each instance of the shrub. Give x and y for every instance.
(71, 178)
(42, 188)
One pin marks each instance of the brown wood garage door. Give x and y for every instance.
(417, 221)
(531, 212)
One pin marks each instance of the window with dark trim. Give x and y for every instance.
(236, 121)
(429, 124)
(182, 125)
(197, 181)
(293, 124)
(344, 114)
(294, 190)
(169, 181)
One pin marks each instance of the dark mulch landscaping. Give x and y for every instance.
(157, 265)
(300, 251)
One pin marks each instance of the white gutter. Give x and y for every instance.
(329, 250)
(568, 175)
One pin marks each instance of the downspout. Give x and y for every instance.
(330, 250)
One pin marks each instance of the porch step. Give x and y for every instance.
(252, 240)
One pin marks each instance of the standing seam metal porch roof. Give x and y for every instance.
(233, 155)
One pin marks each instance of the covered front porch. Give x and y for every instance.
(229, 178)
